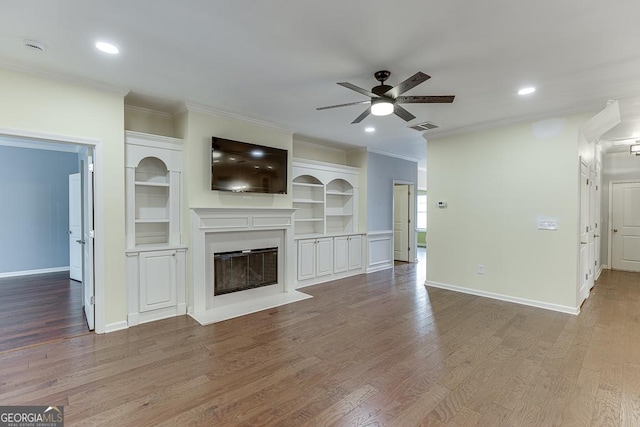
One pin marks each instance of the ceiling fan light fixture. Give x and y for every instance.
(381, 107)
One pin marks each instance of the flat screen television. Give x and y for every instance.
(241, 167)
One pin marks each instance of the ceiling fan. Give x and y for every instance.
(385, 99)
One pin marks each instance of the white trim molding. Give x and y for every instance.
(116, 326)
(98, 206)
(65, 78)
(389, 154)
(205, 109)
(517, 300)
(32, 272)
(379, 250)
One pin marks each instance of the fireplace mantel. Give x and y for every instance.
(211, 226)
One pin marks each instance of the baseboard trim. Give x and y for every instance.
(517, 300)
(116, 326)
(373, 268)
(602, 267)
(32, 272)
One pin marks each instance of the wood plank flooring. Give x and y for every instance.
(377, 349)
(38, 309)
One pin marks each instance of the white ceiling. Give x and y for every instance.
(277, 60)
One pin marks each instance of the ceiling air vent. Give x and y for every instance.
(34, 45)
(421, 127)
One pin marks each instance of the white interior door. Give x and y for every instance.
(584, 230)
(401, 222)
(75, 227)
(625, 239)
(88, 290)
(591, 271)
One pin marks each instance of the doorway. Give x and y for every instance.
(62, 295)
(624, 233)
(404, 229)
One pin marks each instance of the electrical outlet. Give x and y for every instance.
(480, 269)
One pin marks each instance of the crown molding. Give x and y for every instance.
(65, 78)
(148, 111)
(205, 109)
(583, 108)
(397, 156)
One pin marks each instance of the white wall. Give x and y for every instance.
(615, 166)
(36, 104)
(497, 183)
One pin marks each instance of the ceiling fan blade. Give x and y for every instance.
(444, 99)
(362, 116)
(358, 89)
(402, 113)
(343, 105)
(410, 83)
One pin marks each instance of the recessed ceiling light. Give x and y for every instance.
(107, 48)
(369, 129)
(526, 90)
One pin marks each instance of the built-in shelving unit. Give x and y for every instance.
(156, 258)
(326, 221)
(308, 200)
(325, 197)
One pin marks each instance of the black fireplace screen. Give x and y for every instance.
(242, 270)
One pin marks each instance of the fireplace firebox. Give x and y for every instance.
(241, 270)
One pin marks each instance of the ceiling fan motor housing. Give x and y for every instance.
(381, 89)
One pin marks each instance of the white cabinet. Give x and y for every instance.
(156, 258)
(315, 258)
(347, 253)
(156, 282)
(329, 258)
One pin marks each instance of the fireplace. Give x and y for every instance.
(243, 261)
(246, 269)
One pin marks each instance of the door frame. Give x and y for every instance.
(610, 223)
(98, 207)
(413, 240)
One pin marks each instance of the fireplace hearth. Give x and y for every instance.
(247, 269)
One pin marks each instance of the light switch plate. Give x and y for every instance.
(547, 225)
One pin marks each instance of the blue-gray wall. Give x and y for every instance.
(381, 172)
(34, 205)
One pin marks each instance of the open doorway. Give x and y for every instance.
(404, 229)
(43, 302)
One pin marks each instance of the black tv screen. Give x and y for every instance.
(247, 168)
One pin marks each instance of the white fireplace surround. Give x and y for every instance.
(216, 230)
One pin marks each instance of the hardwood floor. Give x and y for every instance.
(378, 349)
(38, 309)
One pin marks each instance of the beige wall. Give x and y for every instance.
(148, 121)
(310, 151)
(35, 104)
(358, 159)
(197, 160)
(497, 183)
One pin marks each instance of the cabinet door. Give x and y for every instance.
(340, 254)
(306, 259)
(157, 280)
(324, 257)
(355, 252)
